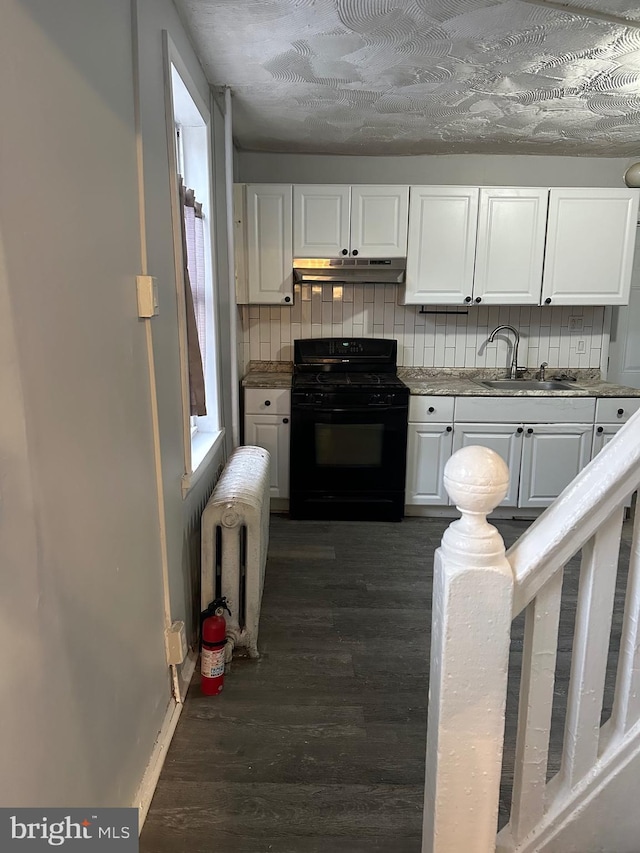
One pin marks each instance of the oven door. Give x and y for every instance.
(347, 454)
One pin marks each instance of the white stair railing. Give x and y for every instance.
(478, 590)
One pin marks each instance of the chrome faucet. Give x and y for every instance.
(543, 367)
(513, 369)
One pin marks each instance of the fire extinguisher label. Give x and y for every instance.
(212, 663)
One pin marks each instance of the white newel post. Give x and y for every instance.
(472, 598)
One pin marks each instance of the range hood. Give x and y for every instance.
(364, 270)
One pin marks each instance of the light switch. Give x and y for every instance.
(147, 290)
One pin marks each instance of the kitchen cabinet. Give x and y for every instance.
(590, 245)
(335, 221)
(505, 439)
(470, 244)
(267, 415)
(429, 446)
(510, 246)
(611, 415)
(545, 443)
(263, 237)
(552, 456)
(443, 224)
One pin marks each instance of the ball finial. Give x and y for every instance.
(476, 479)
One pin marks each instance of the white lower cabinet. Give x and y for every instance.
(504, 439)
(267, 424)
(552, 456)
(545, 443)
(428, 449)
(602, 435)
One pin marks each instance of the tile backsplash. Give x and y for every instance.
(442, 337)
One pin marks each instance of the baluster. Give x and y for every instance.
(590, 650)
(534, 711)
(472, 600)
(626, 703)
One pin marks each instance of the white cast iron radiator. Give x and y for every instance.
(235, 536)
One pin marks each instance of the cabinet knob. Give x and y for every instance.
(431, 410)
(287, 299)
(600, 430)
(449, 429)
(345, 252)
(520, 430)
(467, 299)
(267, 402)
(478, 298)
(355, 252)
(530, 431)
(285, 420)
(620, 412)
(547, 301)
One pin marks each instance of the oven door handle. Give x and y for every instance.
(363, 410)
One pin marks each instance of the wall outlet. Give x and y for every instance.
(576, 324)
(581, 347)
(176, 642)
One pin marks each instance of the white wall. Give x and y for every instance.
(85, 679)
(154, 16)
(87, 549)
(463, 169)
(440, 338)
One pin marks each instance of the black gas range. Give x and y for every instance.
(348, 430)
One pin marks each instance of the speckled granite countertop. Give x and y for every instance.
(268, 374)
(454, 382)
(465, 383)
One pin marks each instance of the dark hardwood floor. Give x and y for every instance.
(319, 746)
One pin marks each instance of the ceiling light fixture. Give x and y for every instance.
(632, 175)
(584, 13)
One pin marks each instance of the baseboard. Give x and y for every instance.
(147, 787)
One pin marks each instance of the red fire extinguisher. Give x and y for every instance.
(214, 640)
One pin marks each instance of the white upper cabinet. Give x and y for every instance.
(441, 247)
(321, 221)
(338, 221)
(510, 246)
(379, 221)
(590, 244)
(264, 264)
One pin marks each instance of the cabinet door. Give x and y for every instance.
(428, 449)
(602, 434)
(272, 433)
(552, 455)
(269, 252)
(321, 221)
(379, 221)
(441, 245)
(590, 244)
(510, 246)
(505, 439)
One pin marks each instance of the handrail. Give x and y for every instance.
(574, 517)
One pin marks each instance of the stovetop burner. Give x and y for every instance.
(346, 381)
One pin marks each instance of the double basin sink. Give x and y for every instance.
(527, 384)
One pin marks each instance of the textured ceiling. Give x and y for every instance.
(425, 76)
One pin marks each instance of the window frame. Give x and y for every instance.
(202, 439)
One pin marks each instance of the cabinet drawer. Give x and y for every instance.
(260, 401)
(534, 410)
(616, 410)
(424, 409)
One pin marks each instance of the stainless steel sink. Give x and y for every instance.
(527, 385)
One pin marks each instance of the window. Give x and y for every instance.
(189, 123)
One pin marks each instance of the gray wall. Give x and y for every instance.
(466, 170)
(86, 685)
